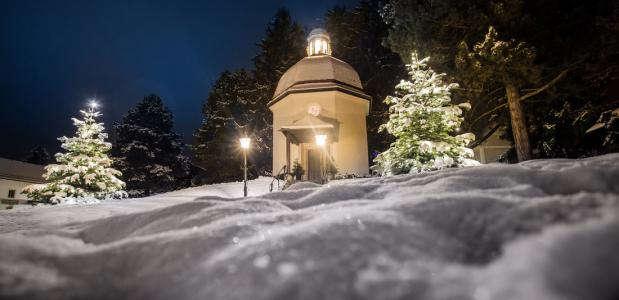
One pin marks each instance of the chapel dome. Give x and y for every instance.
(319, 71)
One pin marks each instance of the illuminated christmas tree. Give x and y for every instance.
(84, 170)
(425, 123)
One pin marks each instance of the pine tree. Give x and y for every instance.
(238, 104)
(147, 151)
(228, 113)
(282, 46)
(85, 170)
(513, 64)
(357, 37)
(572, 85)
(38, 156)
(423, 121)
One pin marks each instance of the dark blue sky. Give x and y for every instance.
(56, 54)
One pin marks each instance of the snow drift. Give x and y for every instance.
(545, 229)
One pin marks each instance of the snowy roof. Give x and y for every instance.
(319, 73)
(20, 171)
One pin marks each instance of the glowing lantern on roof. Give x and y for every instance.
(318, 43)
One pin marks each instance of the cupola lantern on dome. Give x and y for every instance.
(318, 43)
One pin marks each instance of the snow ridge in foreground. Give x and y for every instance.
(544, 229)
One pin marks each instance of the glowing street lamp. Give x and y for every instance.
(245, 142)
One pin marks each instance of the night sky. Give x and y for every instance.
(56, 54)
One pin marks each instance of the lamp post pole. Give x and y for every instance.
(245, 141)
(245, 173)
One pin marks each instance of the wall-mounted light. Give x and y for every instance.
(321, 139)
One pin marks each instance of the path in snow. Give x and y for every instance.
(543, 229)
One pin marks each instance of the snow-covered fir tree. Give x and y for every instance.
(84, 170)
(229, 111)
(147, 150)
(282, 45)
(424, 123)
(238, 104)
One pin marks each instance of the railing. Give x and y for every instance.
(282, 171)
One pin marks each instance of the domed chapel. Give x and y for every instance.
(319, 115)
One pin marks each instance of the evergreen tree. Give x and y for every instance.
(282, 46)
(238, 105)
(513, 64)
(357, 37)
(84, 170)
(424, 122)
(228, 113)
(571, 42)
(147, 151)
(38, 156)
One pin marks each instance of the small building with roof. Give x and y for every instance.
(14, 176)
(319, 115)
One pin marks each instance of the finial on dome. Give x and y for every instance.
(318, 43)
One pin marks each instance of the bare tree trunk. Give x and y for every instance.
(519, 127)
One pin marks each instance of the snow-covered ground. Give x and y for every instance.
(44, 216)
(545, 229)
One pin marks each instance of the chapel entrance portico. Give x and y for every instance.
(301, 146)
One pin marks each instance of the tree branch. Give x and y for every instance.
(546, 86)
(478, 142)
(489, 112)
(526, 96)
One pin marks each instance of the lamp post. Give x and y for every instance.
(245, 141)
(321, 141)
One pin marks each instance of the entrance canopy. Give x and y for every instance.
(305, 130)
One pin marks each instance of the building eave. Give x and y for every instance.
(312, 86)
(21, 178)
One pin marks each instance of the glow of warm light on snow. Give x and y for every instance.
(245, 142)
(321, 139)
